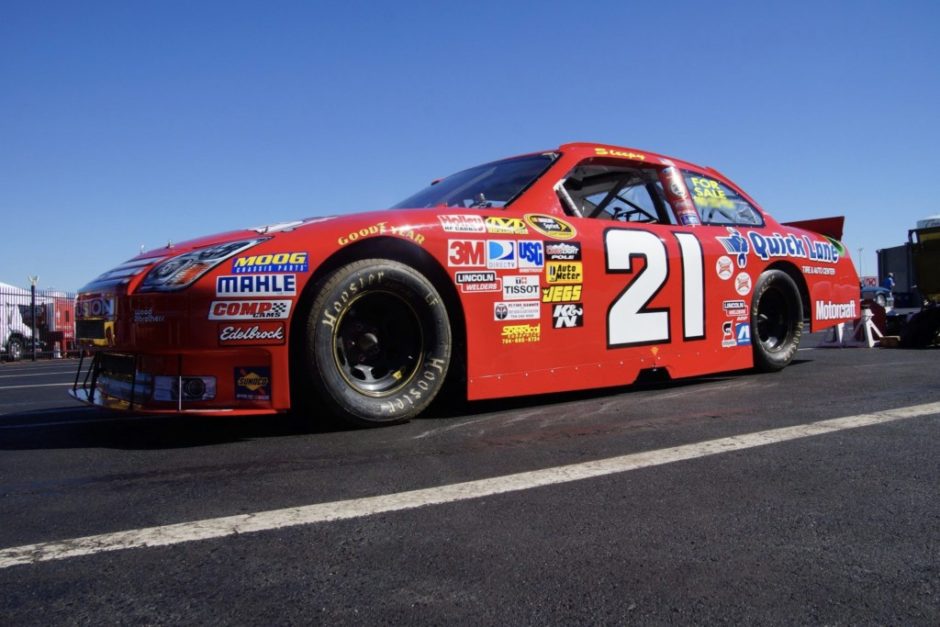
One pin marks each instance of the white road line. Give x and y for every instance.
(37, 374)
(356, 508)
(35, 385)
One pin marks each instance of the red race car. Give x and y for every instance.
(581, 267)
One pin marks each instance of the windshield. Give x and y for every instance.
(494, 184)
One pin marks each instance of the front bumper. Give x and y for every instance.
(223, 383)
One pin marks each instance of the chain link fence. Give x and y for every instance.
(36, 324)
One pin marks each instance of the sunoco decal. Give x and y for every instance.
(550, 226)
(256, 285)
(253, 383)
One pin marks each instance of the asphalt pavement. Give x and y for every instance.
(725, 499)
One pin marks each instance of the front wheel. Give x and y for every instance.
(776, 321)
(377, 344)
(15, 349)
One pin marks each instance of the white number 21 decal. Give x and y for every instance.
(630, 321)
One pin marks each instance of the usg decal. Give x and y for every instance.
(256, 285)
(531, 255)
(249, 310)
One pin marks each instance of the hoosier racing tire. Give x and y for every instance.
(377, 344)
(776, 321)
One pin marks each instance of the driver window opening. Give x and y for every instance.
(609, 190)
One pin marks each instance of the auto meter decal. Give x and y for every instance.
(253, 383)
(564, 272)
(550, 226)
(249, 309)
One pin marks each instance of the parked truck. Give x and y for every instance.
(923, 328)
(16, 334)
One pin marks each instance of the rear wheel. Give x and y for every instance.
(776, 321)
(378, 343)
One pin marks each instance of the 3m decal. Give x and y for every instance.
(524, 287)
(563, 251)
(564, 272)
(508, 226)
(521, 333)
(550, 226)
(568, 316)
(253, 383)
(257, 334)
(561, 293)
(462, 223)
(630, 319)
(249, 310)
(501, 255)
(275, 262)
(531, 255)
(256, 285)
(528, 310)
(466, 252)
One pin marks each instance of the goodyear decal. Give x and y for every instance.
(381, 228)
(550, 226)
(273, 262)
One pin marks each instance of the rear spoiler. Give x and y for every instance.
(829, 227)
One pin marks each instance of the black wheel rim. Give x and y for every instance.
(378, 343)
(773, 319)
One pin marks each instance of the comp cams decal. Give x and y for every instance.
(249, 309)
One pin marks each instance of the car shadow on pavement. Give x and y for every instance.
(86, 427)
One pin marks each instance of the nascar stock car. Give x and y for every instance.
(582, 267)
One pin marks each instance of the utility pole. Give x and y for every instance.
(32, 310)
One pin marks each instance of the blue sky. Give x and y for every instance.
(134, 123)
